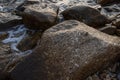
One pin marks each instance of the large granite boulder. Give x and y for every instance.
(88, 15)
(36, 18)
(70, 50)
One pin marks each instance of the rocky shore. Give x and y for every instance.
(59, 39)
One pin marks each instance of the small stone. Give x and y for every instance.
(95, 77)
(114, 68)
(88, 15)
(103, 75)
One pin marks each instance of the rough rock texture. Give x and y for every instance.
(4, 55)
(29, 42)
(36, 18)
(88, 15)
(21, 6)
(7, 20)
(111, 73)
(68, 51)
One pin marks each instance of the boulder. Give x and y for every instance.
(70, 50)
(7, 21)
(37, 18)
(29, 42)
(88, 15)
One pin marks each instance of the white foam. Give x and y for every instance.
(12, 39)
(1, 8)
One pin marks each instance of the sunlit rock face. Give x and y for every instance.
(68, 51)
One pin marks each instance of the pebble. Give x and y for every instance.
(110, 73)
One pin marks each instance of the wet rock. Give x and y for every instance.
(104, 2)
(103, 75)
(7, 21)
(32, 2)
(3, 35)
(117, 23)
(118, 76)
(109, 73)
(4, 1)
(21, 6)
(95, 77)
(109, 29)
(5, 51)
(88, 15)
(37, 18)
(29, 42)
(68, 51)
